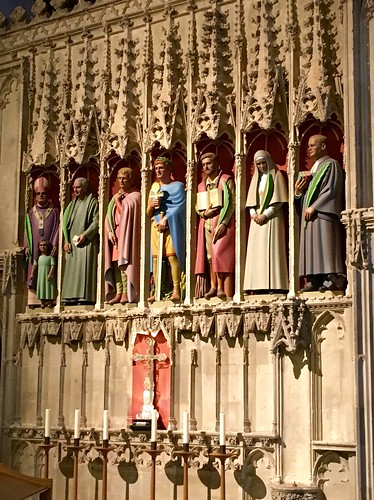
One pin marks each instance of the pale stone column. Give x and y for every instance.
(145, 235)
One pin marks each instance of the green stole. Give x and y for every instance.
(313, 186)
(269, 190)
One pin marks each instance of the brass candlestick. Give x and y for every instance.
(186, 454)
(153, 452)
(222, 457)
(46, 446)
(104, 450)
(75, 448)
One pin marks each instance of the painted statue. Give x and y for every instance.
(266, 262)
(167, 209)
(216, 231)
(122, 241)
(42, 221)
(321, 238)
(81, 245)
(45, 269)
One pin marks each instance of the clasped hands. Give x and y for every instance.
(259, 219)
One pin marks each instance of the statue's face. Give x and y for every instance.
(316, 148)
(79, 189)
(262, 165)
(209, 167)
(124, 180)
(162, 172)
(41, 196)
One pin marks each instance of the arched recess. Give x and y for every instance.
(52, 175)
(256, 474)
(88, 170)
(275, 143)
(25, 458)
(332, 129)
(222, 147)
(331, 379)
(115, 163)
(178, 156)
(331, 473)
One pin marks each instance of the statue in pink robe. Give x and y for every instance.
(122, 242)
(215, 257)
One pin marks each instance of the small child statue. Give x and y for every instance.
(44, 268)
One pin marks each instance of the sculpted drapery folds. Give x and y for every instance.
(122, 242)
(266, 261)
(80, 228)
(321, 241)
(167, 209)
(216, 231)
(42, 222)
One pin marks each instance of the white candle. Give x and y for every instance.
(47, 423)
(77, 417)
(105, 425)
(186, 437)
(154, 426)
(222, 431)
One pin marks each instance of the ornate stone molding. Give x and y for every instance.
(265, 103)
(369, 9)
(286, 492)
(167, 116)
(211, 113)
(283, 320)
(318, 93)
(359, 224)
(288, 318)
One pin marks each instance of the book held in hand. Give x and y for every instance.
(209, 199)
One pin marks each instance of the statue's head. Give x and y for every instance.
(44, 246)
(209, 164)
(81, 187)
(42, 189)
(162, 168)
(263, 161)
(317, 146)
(125, 177)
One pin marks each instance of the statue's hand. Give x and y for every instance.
(259, 219)
(81, 239)
(219, 232)
(67, 247)
(162, 225)
(309, 212)
(210, 212)
(54, 251)
(300, 186)
(112, 238)
(27, 252)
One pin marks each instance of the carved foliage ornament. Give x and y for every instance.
(288, 319)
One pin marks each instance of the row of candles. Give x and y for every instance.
(154, 418)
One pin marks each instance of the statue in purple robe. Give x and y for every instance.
(42, 222)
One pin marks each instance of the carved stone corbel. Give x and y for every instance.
(257, 322)
(117, 328)
(50, 327)
(229, 322)
(72, 330)
(29, 333)
(287, 323)
(95, 330)
(357, 223)
(203, 323)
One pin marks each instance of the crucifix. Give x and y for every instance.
(143, 417)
